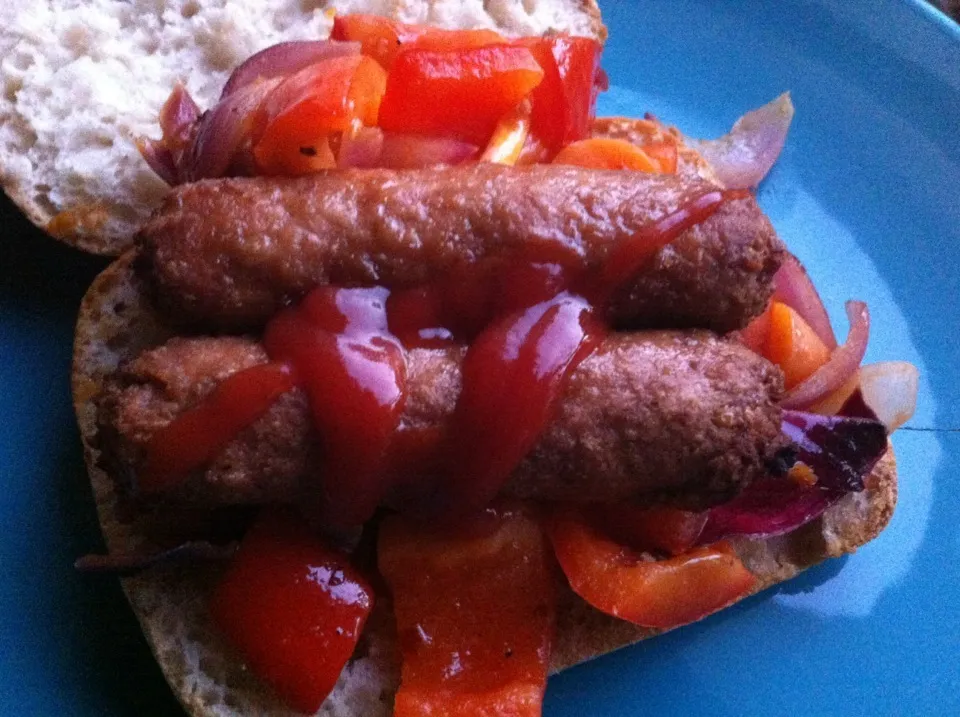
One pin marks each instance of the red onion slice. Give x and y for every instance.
(601, 80)
(411, 151)
(178, 114)
(793, 287)
(361, 151)
(841, 452)
(890, 390)
(178, 118)
(843, 363)
(856, 407)
(223, 130)
(768, 508)
(284, 59)
(159, 159)
(744, 156)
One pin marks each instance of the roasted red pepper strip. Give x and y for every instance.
(660, 528)
(475, 614)
(299, 116)
(382, 38)
(293, 607)
(652, 593)
(564, 103)
(458, 93)
(378, 36)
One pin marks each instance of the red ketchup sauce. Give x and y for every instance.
(354, 373)
(196, 436)
(529, 321)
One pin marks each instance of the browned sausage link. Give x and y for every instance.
(646, 415)
(229, 253)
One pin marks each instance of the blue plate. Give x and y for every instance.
(867, 193)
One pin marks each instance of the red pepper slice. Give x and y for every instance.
(293, 607)
(564, 103)
(378, 36)
(660, 528)
(300, 114)
(432, 38)
(382, 38)
(475, 614)
(458, 93)
(656, 593)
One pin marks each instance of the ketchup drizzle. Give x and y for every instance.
(529, 320)
(629, 257)
(196, 436)
(513, 376)
(354, 373)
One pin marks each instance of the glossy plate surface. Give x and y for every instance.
(867, 193)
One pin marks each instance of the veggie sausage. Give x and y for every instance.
(647, 415)
(229, 253)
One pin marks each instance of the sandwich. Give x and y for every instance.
(405, 412)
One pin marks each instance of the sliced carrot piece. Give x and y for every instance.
(755, 334)
(606, 153)
(665, 153)
(793, 345)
